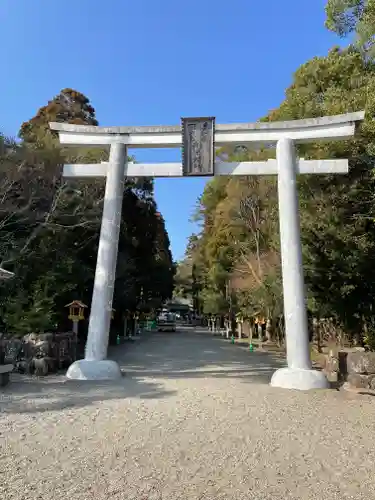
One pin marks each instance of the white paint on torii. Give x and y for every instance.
(299, 373)
(301, 131)
(221, 168)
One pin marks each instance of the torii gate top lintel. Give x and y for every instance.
(169, 136)
(144, 129)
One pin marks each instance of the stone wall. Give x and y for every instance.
(39, 354)
(356, 368)
(361, 370)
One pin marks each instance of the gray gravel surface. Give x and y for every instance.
(193, 418)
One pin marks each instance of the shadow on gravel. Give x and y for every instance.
(197, 354)
(54, 393)
(188, 353)
(254, 375)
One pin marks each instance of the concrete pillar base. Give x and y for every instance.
(94, 370)
(296, 378)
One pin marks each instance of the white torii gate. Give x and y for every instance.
(299, 373)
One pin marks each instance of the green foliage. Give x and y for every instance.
(338, 211)
(369, 336)
(69, 106)
(214, 302)
(347, 16)
(36, 314)
(50, 228)
(238, 243)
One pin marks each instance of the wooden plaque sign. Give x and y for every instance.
(198, 146)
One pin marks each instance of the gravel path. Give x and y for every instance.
(193, 418)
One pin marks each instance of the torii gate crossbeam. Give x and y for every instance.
(298, 374)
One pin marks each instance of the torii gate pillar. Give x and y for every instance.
(199, 138)
(95, 366)
(299, 373)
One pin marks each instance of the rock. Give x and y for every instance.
(30, 337)
(39, 353)
(361, 362)
(331, 364)
(361, 381)
(332, 376)
(40, 366)
(46, 337)
(42, 347)
(12, 350)
(23, 366)
(51, 363)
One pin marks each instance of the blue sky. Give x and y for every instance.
(149, 63)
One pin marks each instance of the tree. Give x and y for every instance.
(238, 242)
(50, 227)
(29, 188)
(69, 106)
(346, 16)
(337, 212)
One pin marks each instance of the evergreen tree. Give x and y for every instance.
(50, 227)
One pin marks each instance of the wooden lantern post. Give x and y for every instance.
(76, 313)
